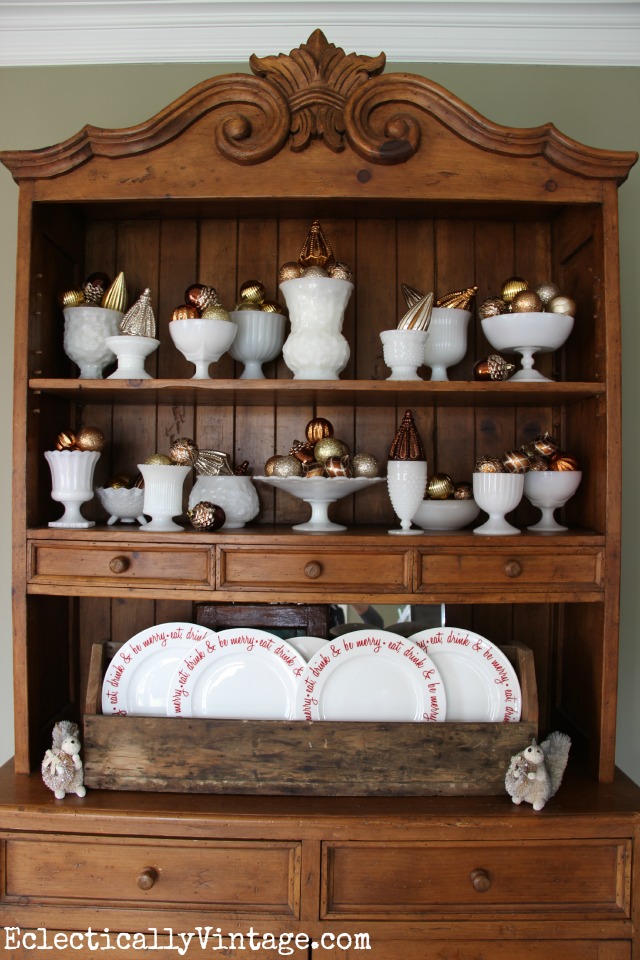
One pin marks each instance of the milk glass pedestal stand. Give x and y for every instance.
(403, 352)
(497, 494)
(548, 490)
(527, 334)
(446, 340)
(162, 495)
(86, 330)
(72, 484)
(236, 495)
(316, 349)
(131, 352)
(202, 342)
(406, 482)
(319, 493)
(259, 339)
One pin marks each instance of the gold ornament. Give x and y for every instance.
(410, 294)
(212, 463)
(121, 481)
(418, 317)
(272, 306)
(94, 287)
(206, 516)
(515, 461)
(459, 299)
(547, 291)
(115, 298)
(71, 298)
(314, 469)
(511, 287)
(337, 467)
(183, 452)
(330, 447)
(215, 313)
(493, 367)
(66, 440)
(562, 304)
(314, 271)
(289, 271)
(526, 302)
(186, 311)
(201, 296)
(287, 467)
(159, 460)
(340, 271)
(318, 429)
(440, 486)
(491, 307)
(252, 291)
(364, 465)
(489, 465)
(407, 443)
(316, 250)
(269, 465)
(463, 491)
(90, 438)
(563, 462)
(140, 320)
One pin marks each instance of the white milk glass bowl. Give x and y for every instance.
(548, 490)
(236, 495)
(320, 493)
(259, 339)
(446, 514)
(403, 352)
(123, 504)
(202, 342)
(446, 340)
(497, 494)
(527, 334)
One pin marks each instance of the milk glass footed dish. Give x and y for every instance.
(320, 493)
(86, 330)
(528, 334)
(202, 342)
(446, 342)
(548, 490)
(259, 339)
(497, 494)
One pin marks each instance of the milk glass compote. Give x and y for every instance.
(497, 494)
(446, 342)
(548, 490)
(259, 339)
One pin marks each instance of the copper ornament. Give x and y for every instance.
(242, 470)
(314, 469)
(291, 270)
(90, 438)
(302, 451)
(71, 298)
(186, 311)
(547, 291)
(463, 491)
(340, 271)
(538, 464)
(563, 461)
(526, 302)
(201, 295)
(511, 287)
(115, 297)
(287, 467)
(364, 465)
(316, 250)
(493, 367)
(206, 516)
(330, 447)
(562, 304)
(407, 443)
(458, 300)
(140, 320)
(337, 467)
(183, 452)
(318, 429)
(272, 306)
(66, 440)
(489, 465)
(545, 445)
(440, 486)
(491, 307)
(215, 313)
(159, 460)
(515, 461)
(252, 291)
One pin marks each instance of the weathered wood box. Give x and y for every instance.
(180, 755)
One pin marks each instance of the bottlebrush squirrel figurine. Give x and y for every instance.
(535, 774)
(62, 767)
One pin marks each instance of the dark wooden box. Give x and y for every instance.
(180, 755)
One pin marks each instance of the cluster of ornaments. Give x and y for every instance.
(98, 291)
(321, 454)
(517, 296)
(316, 259)
(542, 453)
(440, 486)
(86, 438)
(201, 301)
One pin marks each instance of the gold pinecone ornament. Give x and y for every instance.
(206, 516)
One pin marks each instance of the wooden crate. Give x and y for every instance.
(180, 755)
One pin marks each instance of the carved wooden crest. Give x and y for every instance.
(316, 80)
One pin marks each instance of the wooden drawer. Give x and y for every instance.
(382, 570)
(512, 567)
(56, 563)
(259, 877)
(378, 880)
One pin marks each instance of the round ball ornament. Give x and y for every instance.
(515, 461)
(272, 306)
(538, 464)
(215, 312)
(317, 429)
(160, 460)
(290, 270)
(562, 304)
(314, 271)
(206, 516)
(463, 491)
(511, 287)
(491, 307)
(489, 465)
(302, 451)
(90, 438)
(340, 271)
(183, 452)
(563, 461)
(364, 465)
(440, 486)
(252, 291)
(337, 467)
(270, 464)
(545, 445)
(186, 311)
(547, 291)
(526, 302)
(330, 447)
(71, 298)
(287, 467)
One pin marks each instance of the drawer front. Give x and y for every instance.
(384, 571)
(502, 567)
(232, 876)
(582, 877)
(61, 563)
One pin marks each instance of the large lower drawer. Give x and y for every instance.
(378, 880)
(259, 877)
(382, 570)
(94, 563)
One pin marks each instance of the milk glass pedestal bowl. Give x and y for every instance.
(259, 339)
(131, 352)
(319, 493)
(86, 330)
(202, 342)
(163, 495)
(527, 334)
(446, 340)
(316, 349)
(439, 515)
(548, 490)
(72, 484)
(497, 494)
(406, 482)
(403, 352)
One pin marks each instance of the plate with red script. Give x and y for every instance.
(242, 674)
(371, 675)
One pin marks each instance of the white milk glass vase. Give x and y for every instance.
(86, 330)
(163, 485)
(72, 484)
(316, 349)
(406, 483)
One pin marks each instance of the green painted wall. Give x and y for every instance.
(597, 106)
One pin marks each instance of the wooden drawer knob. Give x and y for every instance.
(480, 880)
(512, 568)
(147, 878)
(313, 570)
(119, 564)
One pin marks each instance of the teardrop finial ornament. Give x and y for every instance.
(140, 321)
(115, 297)
(410, 294)
(316, 249)
(407, 443)
(418, 317)
(459, 299)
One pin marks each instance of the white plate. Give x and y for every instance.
(371, 675)
(307, 646)
(137, 679)
(480, 682)
(242, 673)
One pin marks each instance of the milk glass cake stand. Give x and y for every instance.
(319, 492)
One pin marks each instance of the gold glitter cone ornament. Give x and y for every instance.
(115, 297)
(459, 299)
(316, 250)
(140, 320)
(407, 443)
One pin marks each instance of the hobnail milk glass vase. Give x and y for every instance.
(316, 349)
(72, 484)
(403, 352)
(86, 330)
(163, 485)
(406, 483)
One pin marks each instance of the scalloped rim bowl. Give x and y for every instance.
(544, 331)
(446, 514)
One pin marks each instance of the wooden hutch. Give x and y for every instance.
(411, 185)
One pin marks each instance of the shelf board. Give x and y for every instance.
(296, 392)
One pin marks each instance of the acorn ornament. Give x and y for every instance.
(201, 296)
(493, 367)
(206, 516)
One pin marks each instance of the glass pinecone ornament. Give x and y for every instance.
(206, 516)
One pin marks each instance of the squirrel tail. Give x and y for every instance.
(556, 754)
